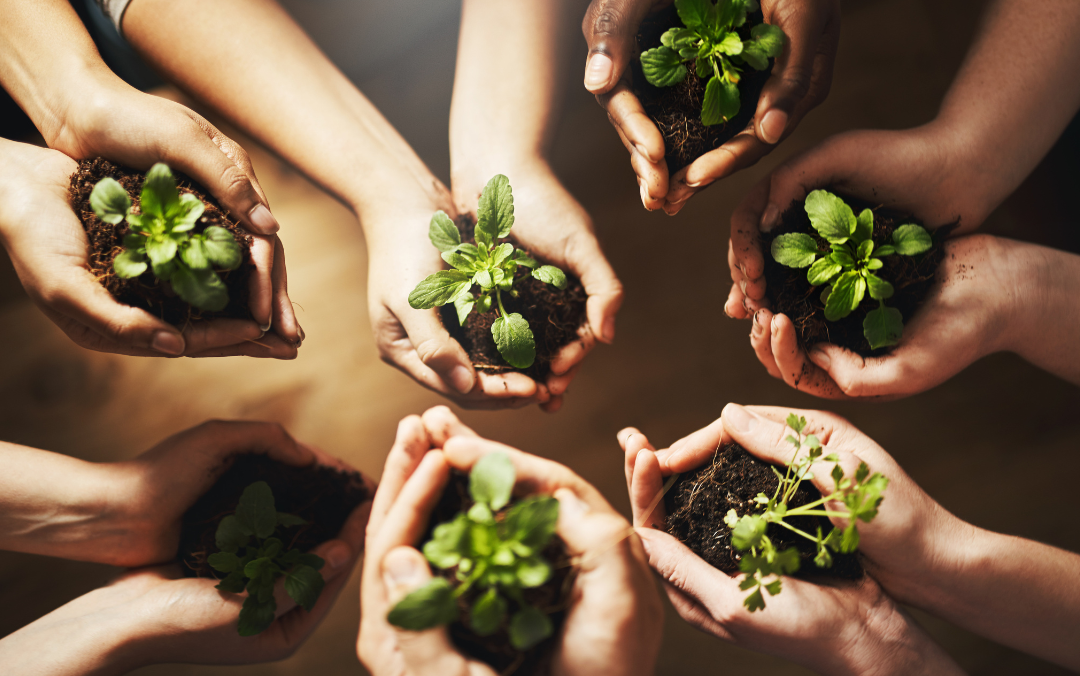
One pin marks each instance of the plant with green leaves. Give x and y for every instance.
(709, 37)
(489, 265)
(496, 554)
(861, 496)
(253, 557)
(160, 237)
(847, 268)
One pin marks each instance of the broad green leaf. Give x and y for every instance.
(532, 521)
(303, 584)
(523, 259)
(160, 251)
(463, 304)
(721, 102)
(109, 200)
(483, 304)
(271, 548)
(694, 13)
(201, 288)
(662, 67)
(129, 263)
(256, 509)
(864, 226)
(487, 613)
(847, 292)
(289, 520)
(429, 606)
(501, 253)
(866, 247)
(884, 250)
(492, 480)
(795, 249)
(748, 532)
(495, 211)
(460, 261)
(823, 558)
(532, 572)
(754, 601)
(484, 279)
(678, 38)
(883, 327)
(312, 560)
(480, 513)
(796, 423)
(874, 264)
(528, 627)
(774, 587)
(552, 275)
(753, 54)
(842, 258)
(260, 570)
(224, 562)
(769, 38)
(231, 534)
(232, 583)
(159, 194)
(194, 254)
(879, 289)
(731, 44)
(830, 216)
(446, 546)
(186, 213)
(911, 239)
(823, 271)
(221, 248)
(787, 561)
(256, 616)
(443, 233)
(514, 339)
(439, 289)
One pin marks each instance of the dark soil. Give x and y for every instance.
(789, 293)
(676, 110)
(553, 315)
(147, 291)
(699, 500)
(322, 496)
(553, 597)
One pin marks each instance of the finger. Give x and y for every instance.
(558, 385)
(741, 151)
(219, 439)
(744, 247)
(646, 491)
(693, 450)
(636, 128)
(439, 354)
(610, 28)
(407, 517)
(441, 424)
(858, 376)
(632, 442)
(652, 181)
(552, 405)
(795, 367)
(270, 346)
(284, 317)
(410, 445)
(605, 297)
(261, 283)
(761, 341)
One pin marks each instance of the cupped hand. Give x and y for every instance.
(800, 81)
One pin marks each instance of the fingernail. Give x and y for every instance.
(644, 195)
(727, 311)
(570, 505)
(265, 327)
(646, 546)
(337, 556)
(757, 324)
(609, 329)
(262, 220)
(168, 342)
(742, 286)
(769, 218)
(820, 358)
(737, 419)
(644, 153)
(300, 332)
(401, 570)
(462, 379)
(773, 125)
(598, 71)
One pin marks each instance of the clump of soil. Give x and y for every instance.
(676, 110)
(553, 597)
(789, 292)
(147, 291)
(553, 315)
(323, 496)
(699, 500)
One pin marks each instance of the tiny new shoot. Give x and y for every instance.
(847, 269)
(159, 236)
(709, 38)
(498, 555)
(486, 264)
(861, 495)
(253, 557)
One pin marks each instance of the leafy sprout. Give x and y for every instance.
(490, 266)
(253, 558)
(709, 38)
(497, 554)
(861, 495)
(160, 237)
(847, 269)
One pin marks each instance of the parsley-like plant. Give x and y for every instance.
(709, 38)
(253, 557)
(486, 264)
(848, 268)
(861, 495)
(497, 554)
(160, 233)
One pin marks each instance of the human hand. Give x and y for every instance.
(48, 248)
(800, 81)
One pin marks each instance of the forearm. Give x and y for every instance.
(889, 643)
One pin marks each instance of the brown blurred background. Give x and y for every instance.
(993, 445)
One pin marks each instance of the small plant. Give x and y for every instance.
(253, 529)
(861, 495)
(848, 269)
(710, 39)
(489, 266)
(498, 554)
(160, 232)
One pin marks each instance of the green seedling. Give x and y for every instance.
(253, 558)
(486, 264)
(709, 38)
(160, 237)
(860, 495)
(498, 554)
(847, 270)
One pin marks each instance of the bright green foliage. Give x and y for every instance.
(499, 554)
(861, 496)
(160, 237)
(848, 268)
(489, 265)
(253, 531)
(709, 38)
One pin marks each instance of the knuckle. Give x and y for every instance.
(235, 183)
(605, 19)
(796, 82)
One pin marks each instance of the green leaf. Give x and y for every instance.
(866, 247)
(289, 520)
(879, 289)
(532, 572)
(842, 258)
(830, 216)
(256, 509)
(260, 570)
(303, 584)
(911, 239)
(231, 535)
(129, 263)
(194, 255)
(694, 13)
(770, 39)
(796, 423)
(748, 532)
(532, 521)
(552, 275)
(774, 587)
(232, 583)
(823, 271)
(847, 292)
(224, 562)
(271, 548)
(884, 250)
(460, 261)
(495, 211)
(487, 613)
(311, 560)
(186, 213)
(730, 44)
(446, 546)
(528, 627)
(439, 289)
(721, 102)
(883, 327)
(200, 288)
(492, 480)
(429, 606)
(109, 200)
(160, 250)
(443, 233)
(221, 248)
(864, 226)
(484, 279)
(795, 250)
(159, 194)
(754, 601)
(256, 616)
(523, 259)
(662, 67)
(464, 305)
(515, 341)
(874, 264)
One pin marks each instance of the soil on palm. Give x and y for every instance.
(676, 110)
(323, 496)
(789, 292)
(699, 500)
(554, 316)
(147, 291)
(553, 597)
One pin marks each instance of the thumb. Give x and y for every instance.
(610, 28)
(604, 291)
(858, 376)
(438, 351)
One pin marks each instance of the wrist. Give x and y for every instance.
(470, 174)
(886, 641)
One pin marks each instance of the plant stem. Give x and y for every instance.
(498, 299)
(793, 528)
